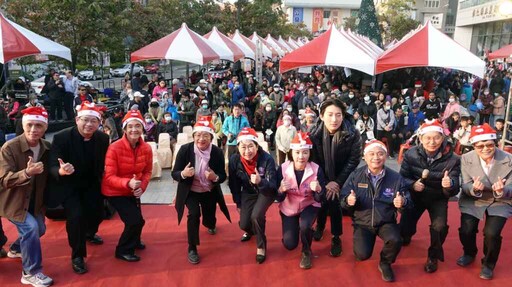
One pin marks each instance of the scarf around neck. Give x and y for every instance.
(250, 165)
(202, 165)
(329, 150)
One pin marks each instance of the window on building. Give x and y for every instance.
(327, 14)
(432, 3)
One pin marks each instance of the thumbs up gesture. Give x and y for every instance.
(134, 183)
(351, 199)
(34, 168)
(499, 185)
(477, 184)
(188, 171)
(65, 168)
(315, 186)
(209, 174)
(255, 177)
(446, 182)
(398, 201)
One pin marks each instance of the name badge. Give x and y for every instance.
(362, 185)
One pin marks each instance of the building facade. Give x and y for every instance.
(318, 15)
(483, 27)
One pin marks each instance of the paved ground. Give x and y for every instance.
(163, 190)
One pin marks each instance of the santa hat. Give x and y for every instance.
(204, 125)
(374, 143)
(133, 115)
(417, 84)
(301, 141)
(88, 109)
(482, 133)
(247, 134)
(35, 114)
(431, 126)
(309, 112)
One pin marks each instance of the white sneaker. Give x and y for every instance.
(38, 280)
(13, 254)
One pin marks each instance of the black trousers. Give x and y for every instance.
(438, 212)
(68, 105)
(56, 106)
(84, 213)
(282, 156)
(364, 242)
(300, 225)
(253, 216)
(389, 139)
(3, 238)
(492, 237)
(129, 210)
(198, 203)
(332, 208)
(231, 150)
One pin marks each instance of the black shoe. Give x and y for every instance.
(335, 246)
(128, 257)
(94, 239)
(3, 253)
(406, 241)
(246, 237)
(465, 260)
(318, 234)
(140, 246)
(212, 231)
(78, 265)
(486, 273)
(260, 258)
(193, 257)
(305, 261)
(386, 272)
(431, 265)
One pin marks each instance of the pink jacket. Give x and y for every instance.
(298, 198)
(450, 109)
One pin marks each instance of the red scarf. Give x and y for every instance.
(250, 165)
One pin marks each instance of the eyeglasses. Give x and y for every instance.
(202, 136)
(90, 121)
(482, 146)
(82, 89)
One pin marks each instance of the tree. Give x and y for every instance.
(395, 19)
(367, 24)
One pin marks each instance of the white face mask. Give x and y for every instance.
(290, 109)
(486, 93)
(168, 119)
(451, 100)
(287, 123)
(351, 96)
(268, 109)
(387, 108)
(205, 107)
(366, 98)
(148, 121)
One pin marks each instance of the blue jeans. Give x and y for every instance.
(29, 232)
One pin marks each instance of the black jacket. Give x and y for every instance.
(186, 155)
(374, 204)
(170, 128)
(67, 145)
(56, 90)
(415, 161)
(239, 181)
(348, 151)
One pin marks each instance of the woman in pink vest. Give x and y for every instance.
(301, 191)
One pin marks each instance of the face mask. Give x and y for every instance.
(367, 102)
(148, 121)
(185, 100)
(36, 101)
(486, 93)
(289, 109)
(301, 88)
(387, 108)
(287, 123)
(451, 100)
(168, 119)
(350, 96)
(268, 109)
(205, 107)
(236, 86)
(366, 98)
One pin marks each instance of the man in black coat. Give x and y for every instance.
(77, 161)
(56, 93)
(199, 184)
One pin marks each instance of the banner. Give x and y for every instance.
(298, 15)
(318, 19)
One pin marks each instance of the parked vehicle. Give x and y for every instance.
(125, 69)
(38, 84)
(152, 69)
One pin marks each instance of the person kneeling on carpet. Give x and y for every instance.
(300, 193)
(373, 194)
(199, 171)
(23, 176)
(486, 190)
(253, 183)
(128, 167)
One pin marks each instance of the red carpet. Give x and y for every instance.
(225, 261)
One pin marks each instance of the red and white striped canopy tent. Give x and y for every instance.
(273, 42)
(331, 48)
(245, 44)
(299, 42)
(429, 47)
(364, 43)
(292, 43)
(17, 41)
(222, 40)
(503, 52)
(390, 44)
(285, 44)
(267, 50)
(183, 45)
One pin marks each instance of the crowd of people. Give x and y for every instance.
(319, 125)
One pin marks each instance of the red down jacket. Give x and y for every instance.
(122, 162)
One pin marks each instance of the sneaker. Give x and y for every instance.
(38, 280)
(13, 254)
(335, 246)
(212, 231)
(246, 237)
(386, 272)
(305, 261)
(193, 257)
(3, 253)
(318, 234)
